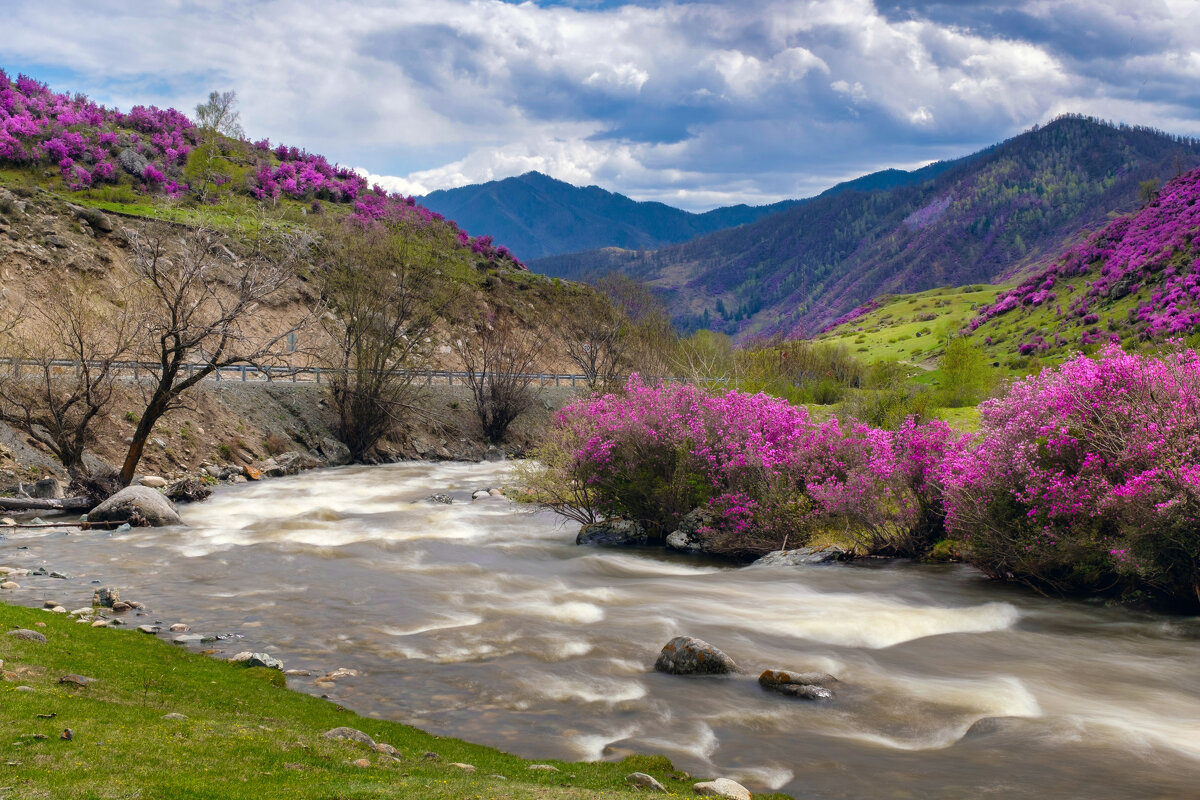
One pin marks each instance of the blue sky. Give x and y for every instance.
(695, 104)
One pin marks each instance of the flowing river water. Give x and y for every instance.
(486, 622)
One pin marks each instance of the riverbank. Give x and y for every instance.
(150, 719)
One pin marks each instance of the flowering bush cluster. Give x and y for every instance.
(761, 468)
(1153, 248)
(90, 144)
(1087, 477)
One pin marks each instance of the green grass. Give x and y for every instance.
(244, 736)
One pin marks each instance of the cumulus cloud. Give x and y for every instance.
(695, 103)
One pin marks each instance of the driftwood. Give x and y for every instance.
(45, 504)
(103, 526)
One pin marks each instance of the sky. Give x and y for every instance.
(695, 104)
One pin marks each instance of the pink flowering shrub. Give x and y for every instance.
(761, 469)
(1087, 478)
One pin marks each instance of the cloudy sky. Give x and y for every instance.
(695, 104)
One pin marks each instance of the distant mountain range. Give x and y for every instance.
(535, 216)
(998, 214)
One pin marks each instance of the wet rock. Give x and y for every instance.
(27, 635)
(441, 499)
(340, 672)
(801, 556)
(257, 660)
(722, 787)
(188, 638)
(614, 532)
(153, 481)
(349, 735)
(188, 490)
(151, 629)
(772, 678)
(48, 489)
(10, 585)
(479, 494)
(297, 673)
(120, 607)
(644, 781)
(180, 627)
(686, 655)
(496, 492)
(151, 505)
(687, 537)
(106, 597)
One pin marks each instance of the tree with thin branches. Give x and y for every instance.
(499, 356)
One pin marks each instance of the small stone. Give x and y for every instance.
(340, 672)
(76, 680)
(153, 481)
(722, 787)
(174, 716)
(350, 735)
(60, 576)
(51, 604)
(121, 607)
(297, 673)
(59, 610)
(180, 627)
(387, 750)
(257, 660)
(27, 635)
(543, 767)
(151, 629)
(136, 604)
(361, 762)
(106, 597)
(463, 767)
(188, 638)
(10, 585)
(645, 781)
(40, 624)
(86, 611)
(429, 755)
(440, 499)
(100, 623)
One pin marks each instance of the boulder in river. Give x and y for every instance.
(687, 538)
(295, 461)
(686, 655)
(615, 532)
(803, 685)
(801, 556)
(150, 504)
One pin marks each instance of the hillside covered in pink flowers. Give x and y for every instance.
(106, 154)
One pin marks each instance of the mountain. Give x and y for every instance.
(1001, 213)
(535, 216)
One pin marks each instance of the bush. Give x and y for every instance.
(762, 469)
(1087, 478)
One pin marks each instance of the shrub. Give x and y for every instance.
(1087, 478)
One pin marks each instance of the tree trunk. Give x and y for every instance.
(44, 504)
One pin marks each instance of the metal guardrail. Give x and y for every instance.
(247, 373)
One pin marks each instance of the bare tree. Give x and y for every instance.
(198, 311)
(383, 306)
(499, 356)
(652, 340)
(64, 360)
(220, 115)
(597, 338)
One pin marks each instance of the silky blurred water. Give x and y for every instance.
(482, 621)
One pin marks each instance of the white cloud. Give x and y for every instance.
(694, 103)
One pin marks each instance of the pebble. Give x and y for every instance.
(645, 781)
(722, 787)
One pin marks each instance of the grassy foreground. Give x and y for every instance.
(245, 735)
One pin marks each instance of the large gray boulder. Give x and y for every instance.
(132, 162)
(686, 655)
(614, 532)
(687, 538)
(801, 556)
(294, 462)
(149, 503)
(335, 452)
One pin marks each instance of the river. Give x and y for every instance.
(484, 621)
